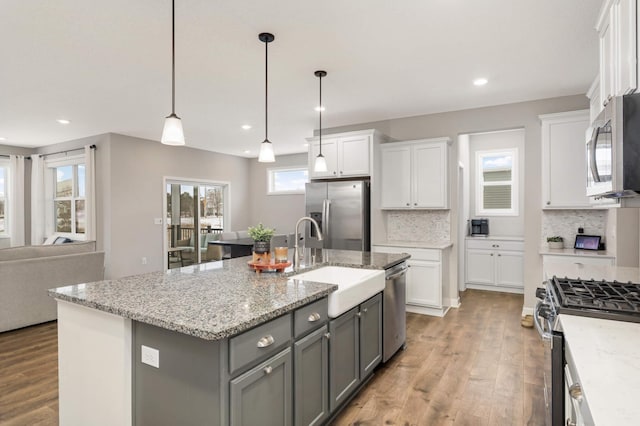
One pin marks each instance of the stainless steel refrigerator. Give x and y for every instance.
(341, 208)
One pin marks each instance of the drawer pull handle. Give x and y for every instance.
(266, 341)
(314, 317)
(364, 310)
(268, 369)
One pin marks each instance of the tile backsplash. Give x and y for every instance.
(565, 223)
(419, 225)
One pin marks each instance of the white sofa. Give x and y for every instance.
(26, 273)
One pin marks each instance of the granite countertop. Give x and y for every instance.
(595, 272)
(605, 355)
(576, 252)
(215, 300)
(495, 238)
(439, 245)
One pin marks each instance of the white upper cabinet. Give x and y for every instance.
(347, 154)
(564, 163)
(415, 174)
(617, 28)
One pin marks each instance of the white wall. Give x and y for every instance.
(275, 211)
(511, 226)
(501, 117)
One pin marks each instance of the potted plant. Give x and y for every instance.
(555, 242)
(261, 238)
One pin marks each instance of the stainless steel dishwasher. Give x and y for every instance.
(394, 317)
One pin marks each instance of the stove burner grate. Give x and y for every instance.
(611, 296)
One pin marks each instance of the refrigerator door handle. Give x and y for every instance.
(326, 205)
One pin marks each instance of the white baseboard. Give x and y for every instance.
(423, 310)
(527, 311)
(494, 288)
(452, 303)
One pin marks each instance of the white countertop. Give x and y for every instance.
(576, 252)
(596, 272)
(495, 238)
(439, 245)
(606, 354)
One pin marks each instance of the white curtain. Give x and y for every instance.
(16, 200)
(38, 220)
(90, 199)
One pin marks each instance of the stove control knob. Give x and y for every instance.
(545, 312)
(575, 391)
(541, 293)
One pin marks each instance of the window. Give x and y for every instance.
(287, 180)
(4, 209)
(69, 196)
(496, 183)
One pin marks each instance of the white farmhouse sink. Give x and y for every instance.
(354, 285)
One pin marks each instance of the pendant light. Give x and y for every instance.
(266, 148)
(321, 163)
(172, 133)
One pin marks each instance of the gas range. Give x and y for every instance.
(612, 300)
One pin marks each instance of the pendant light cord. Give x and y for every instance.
(173, 57)
(320, 129)
(266, 90)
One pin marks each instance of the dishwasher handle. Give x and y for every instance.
(402, 272)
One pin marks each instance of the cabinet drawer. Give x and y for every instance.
(495, 245)
(578, 260)
(416, 253)
(310, 317)
(259, 343)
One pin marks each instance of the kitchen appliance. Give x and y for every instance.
(394, 316)
(479, 227)
(610, 300)
(341, 209)
(613, 151)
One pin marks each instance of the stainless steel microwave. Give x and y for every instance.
(613, 151)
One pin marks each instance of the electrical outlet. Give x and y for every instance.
(144, 260)
(150, 356)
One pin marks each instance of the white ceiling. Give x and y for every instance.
(106, 65)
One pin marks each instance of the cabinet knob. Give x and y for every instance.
(334, 172)
(408, 204)
(415, 204)
(365, 310)
(340, 171)
(499, 255)
(268, 369)
(548, 202)
(359, 314)
(327, 336)
(491, 254)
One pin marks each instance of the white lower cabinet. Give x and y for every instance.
(597, 260)
(424, 278)
(492, 264)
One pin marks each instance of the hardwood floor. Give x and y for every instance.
(475, 366)
(29, 376)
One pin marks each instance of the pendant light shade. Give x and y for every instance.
(266, 148)
(321, 163)
(172, 133)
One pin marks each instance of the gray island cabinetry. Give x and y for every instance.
(214, 344)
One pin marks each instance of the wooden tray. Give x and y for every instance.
(268, 267)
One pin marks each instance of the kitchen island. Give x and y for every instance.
(106, 374)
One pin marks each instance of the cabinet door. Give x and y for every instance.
(510, 269)
(396, 177)
(480, 267)
(370, 335)
(429, 176)
(424, 283)
(564, 162)
(607, 59)
(353, 156)
(344, 356)
(311, 361)
(263, 395)
(330, 153)
(625, 16)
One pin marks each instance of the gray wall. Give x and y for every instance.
(275, 211)
(501, 117)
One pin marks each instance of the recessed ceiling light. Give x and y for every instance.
(63, 121)
(3, 139)
(305, 144)
(480, 81)
(319, 108)
(246, 127)
(246, 151)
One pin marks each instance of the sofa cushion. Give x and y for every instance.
(30, 252)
